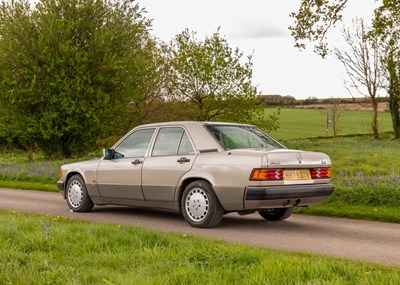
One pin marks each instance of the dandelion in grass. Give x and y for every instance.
(57, 218)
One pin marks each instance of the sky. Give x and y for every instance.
(260, 28)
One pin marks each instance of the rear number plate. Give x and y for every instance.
(296, 174)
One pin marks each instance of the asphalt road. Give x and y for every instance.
(363, 240)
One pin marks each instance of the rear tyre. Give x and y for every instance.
(200, 206)
(77, 195)
(277, 214)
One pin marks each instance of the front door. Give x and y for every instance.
(120, 177)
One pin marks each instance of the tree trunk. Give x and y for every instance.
(394, 94)
(334, 126)
(375, 118)
(394, 111)
(31, 151)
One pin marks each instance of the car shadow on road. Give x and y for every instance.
(230, 221)
(126, 211)
(254, 221)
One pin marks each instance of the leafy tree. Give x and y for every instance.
(313, 21)
(362, 63)
(209, 81)
(386, 29)
(311, 101)
(72, 71)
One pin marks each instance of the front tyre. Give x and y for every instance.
(77, 196)
(200, 206)
(277, 214)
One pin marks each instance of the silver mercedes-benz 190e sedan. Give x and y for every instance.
(201, 169)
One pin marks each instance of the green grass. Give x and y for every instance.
(29, 185)
(14, 166)
(41, 249)
(307, 123)
(360, 212)
(40, 174)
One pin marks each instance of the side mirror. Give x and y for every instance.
(108, 153)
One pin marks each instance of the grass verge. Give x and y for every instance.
(29, 185)
(41, 249)
(360, 212)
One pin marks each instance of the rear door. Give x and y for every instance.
(172, 155)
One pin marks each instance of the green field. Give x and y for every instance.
(309, 123)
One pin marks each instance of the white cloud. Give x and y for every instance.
(257, 30)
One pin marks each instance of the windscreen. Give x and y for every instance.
(236, 137)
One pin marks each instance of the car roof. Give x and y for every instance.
(191, 123)
(200, 136)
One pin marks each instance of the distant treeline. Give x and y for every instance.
(279, 100)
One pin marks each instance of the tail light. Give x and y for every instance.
(266, 174)
(320, 173)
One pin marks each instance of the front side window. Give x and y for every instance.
(235, 137)
(135, 145)
(172, 141)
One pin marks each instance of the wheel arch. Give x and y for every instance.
(68, 177)
(184, 184)
(189, 180)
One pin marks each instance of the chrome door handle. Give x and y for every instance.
(183, 159)
(136, 162)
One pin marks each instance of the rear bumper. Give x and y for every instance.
(286, 196)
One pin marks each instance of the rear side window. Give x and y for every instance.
(185, 147)
(236, 137)
(172, 141)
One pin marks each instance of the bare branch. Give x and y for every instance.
(362, 65)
